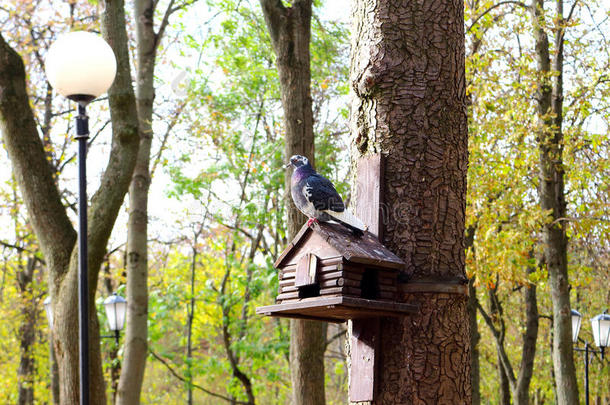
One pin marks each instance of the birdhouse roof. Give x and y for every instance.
(365, 249)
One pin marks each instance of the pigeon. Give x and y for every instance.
(315, 196)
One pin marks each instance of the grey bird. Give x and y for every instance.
(315, 196)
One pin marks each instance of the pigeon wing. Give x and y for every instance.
(322, 194)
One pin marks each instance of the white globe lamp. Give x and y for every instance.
(80, 65)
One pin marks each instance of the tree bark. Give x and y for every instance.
(475, 336)
(136, 329)
(552, 197)
(504, 397)
(27, 333)
(53, 229)
(409, 82)
(290, 32)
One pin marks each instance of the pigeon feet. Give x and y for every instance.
(312, 221)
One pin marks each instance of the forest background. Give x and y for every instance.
(217, 214)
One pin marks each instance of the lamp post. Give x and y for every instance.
(601, 335)
(81, 66)
(116, 306)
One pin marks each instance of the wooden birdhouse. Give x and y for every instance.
(329, 274)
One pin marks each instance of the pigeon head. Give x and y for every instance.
(297, 161)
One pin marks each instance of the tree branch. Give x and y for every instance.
(29, 162)
(199, 387)
(476, 20)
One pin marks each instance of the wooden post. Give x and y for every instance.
(365, 332)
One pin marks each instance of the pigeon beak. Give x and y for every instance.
(287, 165)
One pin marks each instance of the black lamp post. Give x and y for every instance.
(81, 66)
(601, 335)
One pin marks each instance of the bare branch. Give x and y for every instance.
(476, 20)
(199, 387)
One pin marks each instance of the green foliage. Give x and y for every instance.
(225, 177)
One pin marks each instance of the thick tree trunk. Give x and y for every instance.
(409, 82)
(290, 31)
(552, 199)
(46, 212)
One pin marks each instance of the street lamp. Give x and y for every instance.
(116, 306)
(601, 334)
(601, 331)
(48, 310)
(81, 66)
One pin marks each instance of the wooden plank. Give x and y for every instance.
(331, 274)
(364, 359)
(335, 290)
(286, 274)
(321, 278)
(391, 288)
(286, 296)
(337, 308)
(324, 284)
(306, 271)
(353, 275)
(387, 295)
(369, 193)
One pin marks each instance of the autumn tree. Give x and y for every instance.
(290, 32)
(148, 41)
(47, 214)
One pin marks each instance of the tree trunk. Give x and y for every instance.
(504, 397)
(53, 371)
(518, 386)
(27, 334)
(51, 224)
(528, 349)
(136, 329)
(290, 32)
(552, 199)
(409, 82)
(475, 336)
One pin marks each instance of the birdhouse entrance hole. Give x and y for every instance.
(369, 285)
(309, 291)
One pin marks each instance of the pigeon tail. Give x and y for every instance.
(347, 219)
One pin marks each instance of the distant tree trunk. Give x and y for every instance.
(290, 31)
(519, 385)
(53, 371)
(552, 197)
(409, 82)
(113, 353)
(504, 397)
(48, 216)
(27, 333)
(136, 330)
(136, 326)
(475, 336)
